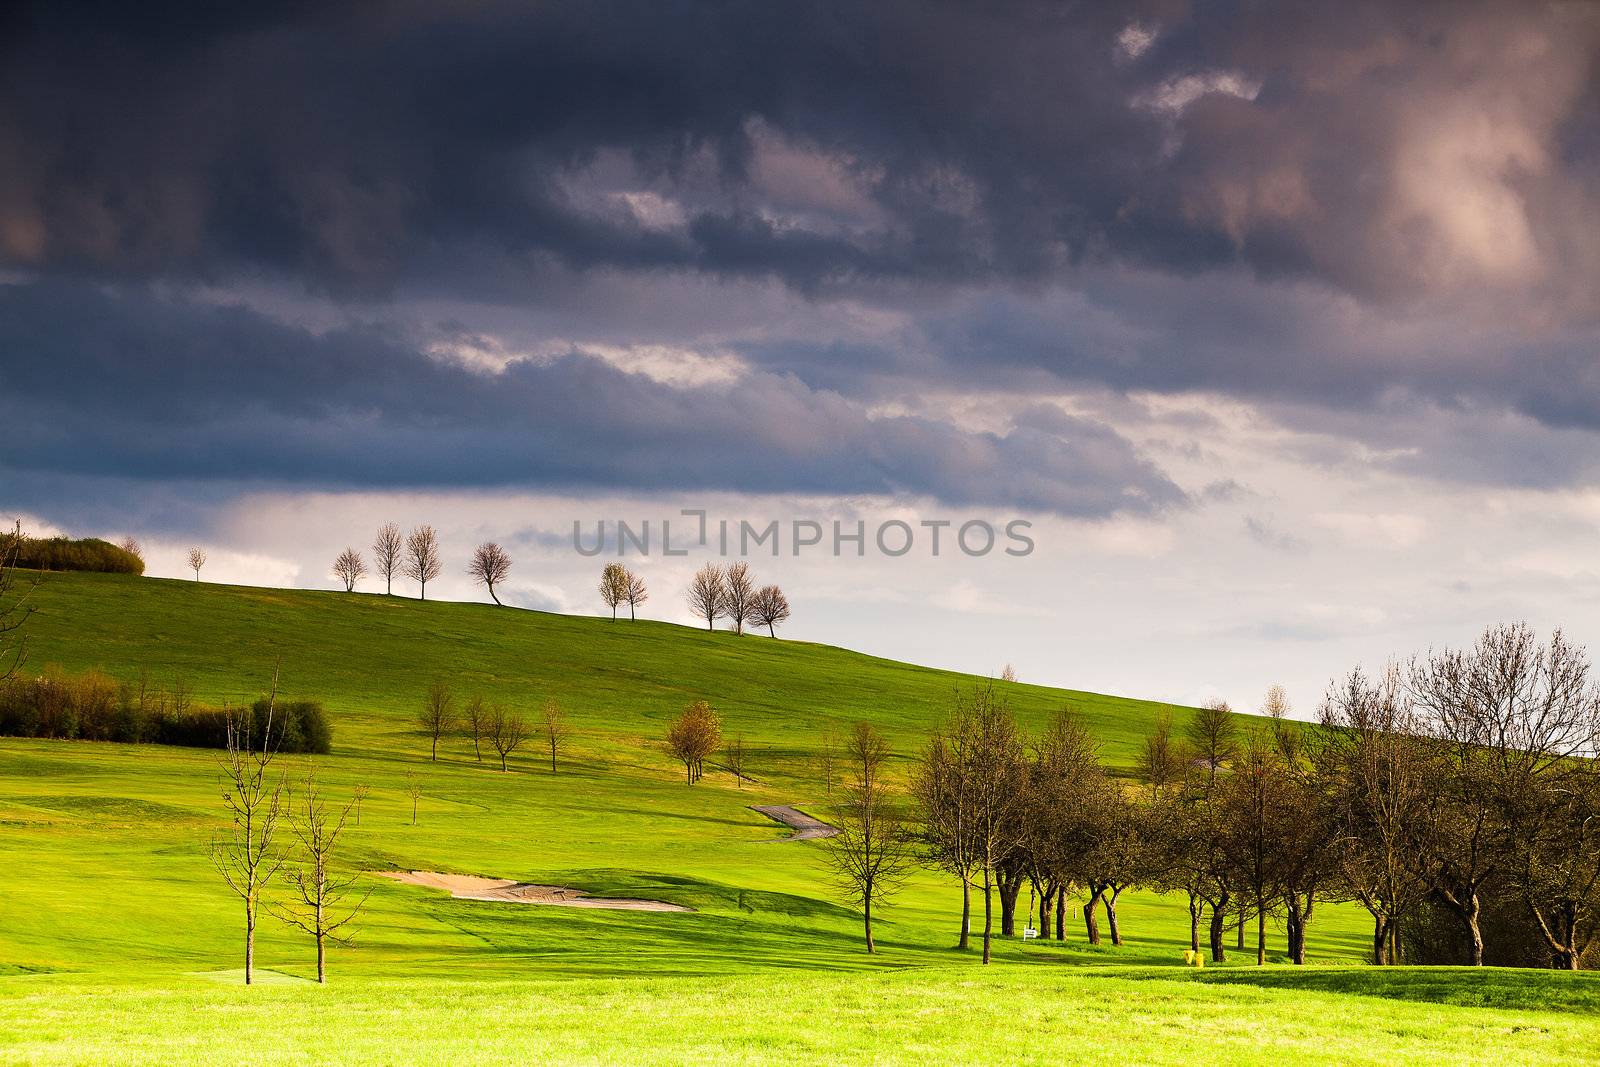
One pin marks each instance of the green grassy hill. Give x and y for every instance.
(106, 885)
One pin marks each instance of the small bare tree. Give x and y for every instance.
(321, 904)
(614, 586)
(248, 857)
(637, 594)
(14, 606)
(349, 568)
(693, 736)
(707, 596)
(476, 720)
(828, 759)
(555, 729)
(771, 609)
(489, 567)
(1213, 737)
(197, 559)
(739, 595)
(1009, 674)
(870, 855)
(132, 547)
(388, 548)
(422, 562)
(507, 731)
(414, 791)
(435, 716)
(735, 755)
(361, 791)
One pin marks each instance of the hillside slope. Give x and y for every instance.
(370, 658)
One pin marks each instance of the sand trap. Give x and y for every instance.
(473, 887)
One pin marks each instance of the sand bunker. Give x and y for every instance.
(472, 887)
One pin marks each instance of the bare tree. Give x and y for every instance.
(414, 791)
(489, 567)
(1009, 674)
(1557, 863)
(321, 904)
(361, 791)
(870, 856)
(771, 609)
(475, 718)
(828, 759)
(14, 606)
(422, 562)
(637, 594)
(1213, 737)
(1377, 768)
(507, 731)
(708, 595)
(248, 857)
(1276, 705)
(735, 756)
(388, 548)
(132, 547)
(739, 595)
(555, 729)
(1507, 714)
(996, 791)
(197, 559)
(693, 736)
(614, 586)
(436, 717)
(349, 568)
(1161, 763)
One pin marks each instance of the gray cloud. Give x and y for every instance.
(157, 388)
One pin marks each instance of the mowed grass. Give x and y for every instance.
(119, 943)
(940, 1015)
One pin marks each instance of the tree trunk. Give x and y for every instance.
(866, 919)
(1238, 931)
(1469, 917)
(1195, 909)
(988, 910)
(966, 911)
(1010, 887)
(1302, 919)
(249, 940)
(1219, 922)
(1261, 936)
(1110, 901)
(1061, 913)
(1046, 895)
(1380, 941)
(322, 967)
(772, 633)
(494, 598)
(435, 756)
(1091, 921)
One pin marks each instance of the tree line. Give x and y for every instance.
(503, 730)
(92, 706)
(1456, 798)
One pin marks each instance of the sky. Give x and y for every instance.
(1275, 324)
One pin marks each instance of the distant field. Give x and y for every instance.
(116, 936)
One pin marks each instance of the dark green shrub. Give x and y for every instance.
(67, 554)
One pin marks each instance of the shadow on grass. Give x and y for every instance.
(1486, 987)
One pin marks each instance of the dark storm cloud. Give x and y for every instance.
(1298, 203)
(153, 388)
(355, 145)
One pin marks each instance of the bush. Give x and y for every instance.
(92, 707)
(66, 554)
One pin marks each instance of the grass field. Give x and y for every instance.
(117, 940)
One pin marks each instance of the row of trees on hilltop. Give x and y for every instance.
(417, 556)
(730, 592)
(1456, 798)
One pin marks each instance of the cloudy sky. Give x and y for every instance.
(1277, 321)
